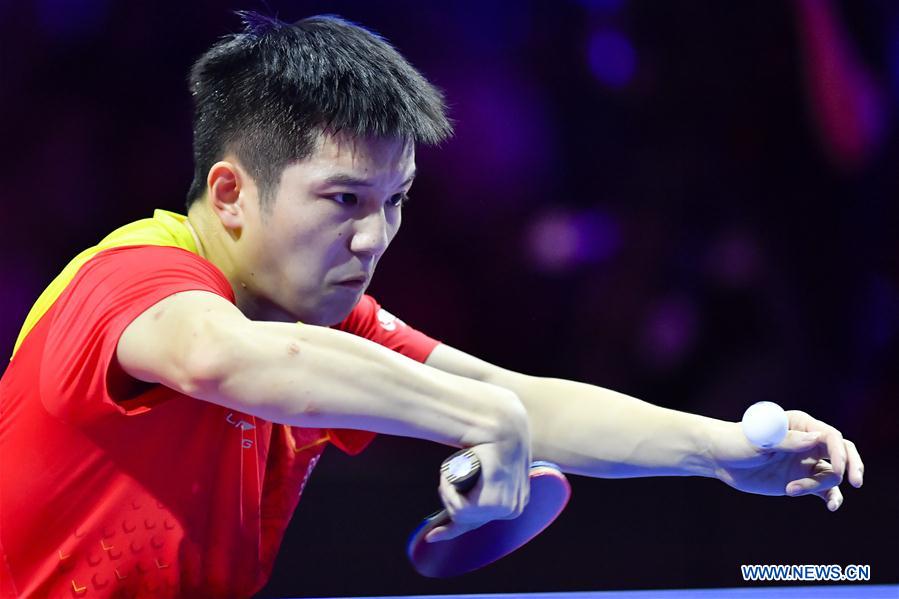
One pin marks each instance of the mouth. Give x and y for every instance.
(353, 283)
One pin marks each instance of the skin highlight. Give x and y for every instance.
(309, 253)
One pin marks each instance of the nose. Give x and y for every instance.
(370, 234)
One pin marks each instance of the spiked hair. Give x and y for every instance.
(266, 93)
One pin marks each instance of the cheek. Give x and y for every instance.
(393, 225)
(316, 253)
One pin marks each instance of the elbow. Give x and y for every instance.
(239, 364)
(210, 358)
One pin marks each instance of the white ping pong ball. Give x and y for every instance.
(765, 424)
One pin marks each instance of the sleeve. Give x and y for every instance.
(79, 375)
(369, 320)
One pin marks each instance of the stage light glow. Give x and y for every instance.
(612, 58)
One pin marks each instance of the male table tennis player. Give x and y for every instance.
(172, 389)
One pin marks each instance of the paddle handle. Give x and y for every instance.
(462, 469)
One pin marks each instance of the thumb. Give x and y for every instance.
(444, 533)
(450, 530)
(798, 441)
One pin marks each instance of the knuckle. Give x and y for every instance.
(512, 510)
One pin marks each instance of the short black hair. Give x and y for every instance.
(267, 92)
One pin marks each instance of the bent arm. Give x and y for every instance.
(302, 375)
(594, 431)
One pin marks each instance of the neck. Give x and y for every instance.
(217, 245)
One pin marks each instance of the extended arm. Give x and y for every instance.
(597, 432)
(201, 345)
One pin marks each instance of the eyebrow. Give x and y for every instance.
(351, 181)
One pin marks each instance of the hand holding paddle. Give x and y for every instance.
(549, 493)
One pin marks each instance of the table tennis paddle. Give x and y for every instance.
(496, 539)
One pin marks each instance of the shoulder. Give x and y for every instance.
(371, 321)
(154, 265)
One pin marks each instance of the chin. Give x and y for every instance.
(330, 314)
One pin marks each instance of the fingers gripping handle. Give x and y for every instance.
(462, 469)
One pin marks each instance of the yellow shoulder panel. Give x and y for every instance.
(165, 229)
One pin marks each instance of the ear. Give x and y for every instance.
(225, 181)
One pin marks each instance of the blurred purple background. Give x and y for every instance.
(691, 202)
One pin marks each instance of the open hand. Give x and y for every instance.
(811, 460)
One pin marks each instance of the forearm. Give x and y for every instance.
(598, 432)
(311, 376)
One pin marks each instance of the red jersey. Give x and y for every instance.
(112, 487)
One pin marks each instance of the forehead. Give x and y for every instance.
(370, 157)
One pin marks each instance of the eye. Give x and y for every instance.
(398, 199)
(347, 199)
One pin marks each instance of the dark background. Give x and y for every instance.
(690, 202)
